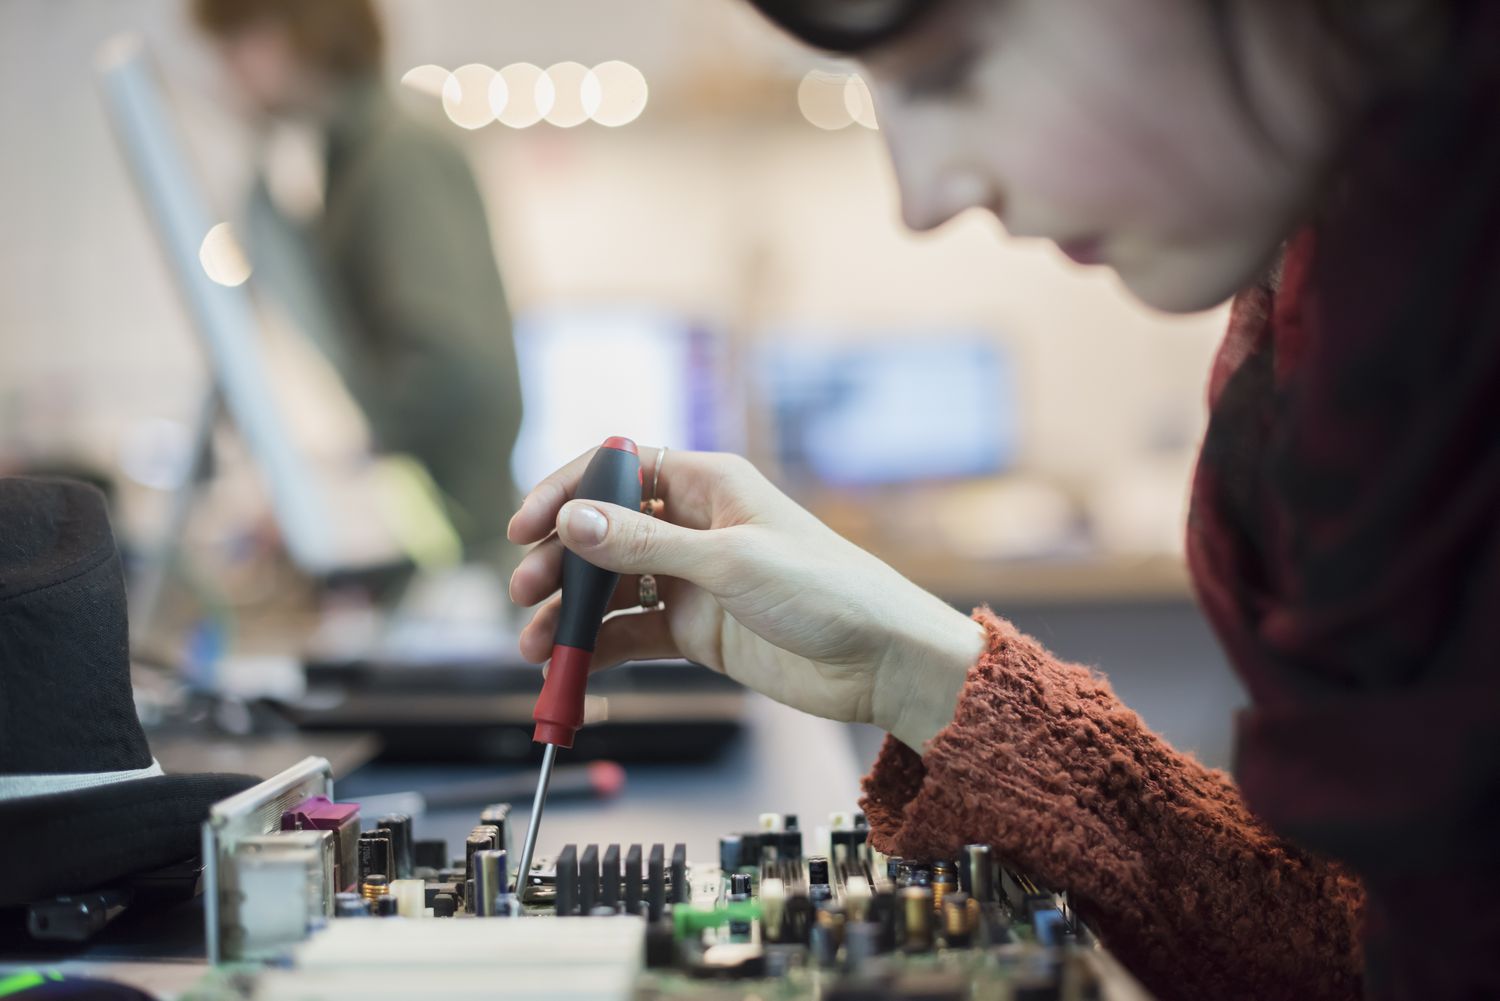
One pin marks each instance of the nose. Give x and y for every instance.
(929, 202)
(935, 183)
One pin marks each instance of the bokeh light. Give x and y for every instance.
(614, 93)
(858, 101)
(519, 84)
(426, 79)
(466, 96)
(567, 108)
(820, 95)
(222, 259)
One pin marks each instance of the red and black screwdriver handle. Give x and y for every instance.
(614, 477)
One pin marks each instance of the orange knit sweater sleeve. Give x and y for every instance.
(1157, 853)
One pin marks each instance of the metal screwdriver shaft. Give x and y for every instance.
(613, 476)
(528, 847)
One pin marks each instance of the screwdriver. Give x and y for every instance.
(613, 476)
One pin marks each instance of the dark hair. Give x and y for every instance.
(1390, 37)
(343, 38)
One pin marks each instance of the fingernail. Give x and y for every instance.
(584, 524)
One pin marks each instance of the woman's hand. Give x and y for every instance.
(754, 586)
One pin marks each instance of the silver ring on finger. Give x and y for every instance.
(649, 596)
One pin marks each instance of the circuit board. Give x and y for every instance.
(310, 900)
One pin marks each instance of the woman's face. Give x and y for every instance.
(1112, 128)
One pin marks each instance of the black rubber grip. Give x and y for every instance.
(613, 476)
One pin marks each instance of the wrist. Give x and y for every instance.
(919, 680)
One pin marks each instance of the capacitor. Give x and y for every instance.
(350, 905)
(944, 882)
(374, 886)
(739, 892)
(482, 838)
(375, 855)
(399, 824)
(444, 905)
(387, 907)
(862, 944)
(565, 901)
(958, 918)
(824, 946)
(489, 880)
(817, 871)
(916, 913)
(976, 875)
(497, 815)
(731, 847)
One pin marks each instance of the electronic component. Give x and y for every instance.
(656, 883)
(839, 919)
(976, 873)
(680, 891)
(609, 877)
(566, 881)
(431, 854)
(319, 813)
(410, 896)
(489, 880)
(284, 888)
(399, 824)
(376, 856)
(916, 914)
(588, 880)
(633, 890)
(497, 815)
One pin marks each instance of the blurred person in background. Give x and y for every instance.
(421, 333)
(1336, 167)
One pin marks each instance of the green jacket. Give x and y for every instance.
(419, 329)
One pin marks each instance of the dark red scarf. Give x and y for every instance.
(1345, 530)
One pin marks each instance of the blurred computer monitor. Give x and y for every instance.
(590, 372)
(330, 519)
(885, 410)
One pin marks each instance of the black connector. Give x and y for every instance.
(634, 892)
(588, 880)
(566, 900)
(609, 877)
(656, 882)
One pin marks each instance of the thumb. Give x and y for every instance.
(626, 541)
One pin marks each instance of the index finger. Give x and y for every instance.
(537, 516)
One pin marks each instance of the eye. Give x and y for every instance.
(945, 76)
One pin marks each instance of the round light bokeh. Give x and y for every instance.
(222, 259)
(820, 96)
(427, 79)
(519, 83)
(567, 108)
(858, 101)
(614, 93)
(466, 96)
